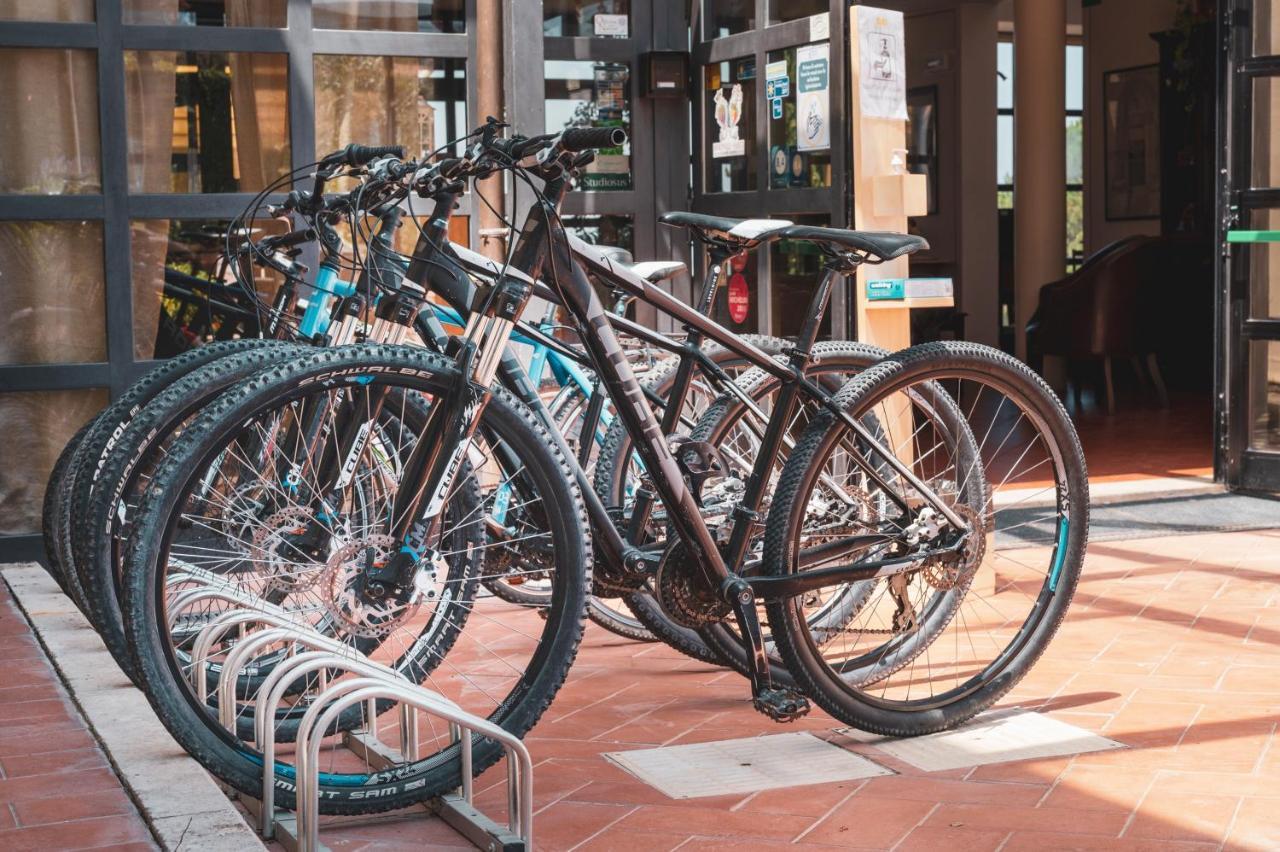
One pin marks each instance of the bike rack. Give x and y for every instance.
(324, 712)
(376, 681)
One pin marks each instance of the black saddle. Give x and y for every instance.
(734, 234)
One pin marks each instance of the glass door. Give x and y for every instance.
(1250, 316)
(771, 141)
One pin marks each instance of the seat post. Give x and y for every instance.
(813, 320)
(716, 269)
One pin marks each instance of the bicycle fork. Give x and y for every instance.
(433, 465)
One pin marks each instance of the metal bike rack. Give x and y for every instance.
(325, 711)
(376, 681)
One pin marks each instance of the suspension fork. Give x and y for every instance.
(433, 465)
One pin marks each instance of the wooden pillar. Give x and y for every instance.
(488, 81)
(1039, 154)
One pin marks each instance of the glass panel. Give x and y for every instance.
(922, 139)
(737, 305)
(1264, 395)
(799, 104)
(183, 295)
(423, 16)
(1075, 149)
(1075, 77)
(1004, 75)
(1266, 132)
(206, 122)
(729, 125)
(788, 10)
(51, 293)
(36, 425)
(725, 17)
(419, 103)
(49, 121)
(1266, 28)
(603, 230)
(794, 269)
(207, 13)
(1264, 267)
(1004, 149)
(603, 18)
(60, 11)
(593, 94)
(1075, 229)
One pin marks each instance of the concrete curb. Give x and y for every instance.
(181, 802)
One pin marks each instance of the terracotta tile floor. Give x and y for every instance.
(1143, 440)
(57, 790)
(1172, 647)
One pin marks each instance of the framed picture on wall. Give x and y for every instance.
(1131, 140)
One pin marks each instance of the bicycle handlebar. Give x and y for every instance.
(587, 138)
(358, 155)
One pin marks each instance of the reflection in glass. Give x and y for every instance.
(794, 269)
(51, 293)
(226, 129)
(207, 13)
(602, 230)
(922, 139)
(602, 18)
(729, 125)
(789, 10)
(1264, 395)
(62, 11)
(789, 166)
(37, 426)
(1264, 267)
(725, 17)
(421, 16)
(49, 121)
(183, 293)
(389, 100)
(593, 94)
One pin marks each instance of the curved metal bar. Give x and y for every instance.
(272, 691)
(325, 712)
(235, 661)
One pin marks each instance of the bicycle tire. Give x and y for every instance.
(928, 363)
(230, 759)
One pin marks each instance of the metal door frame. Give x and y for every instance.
(1235, 462)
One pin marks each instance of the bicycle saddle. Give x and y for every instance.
(885, 245)
(737, 234)
(654, 271)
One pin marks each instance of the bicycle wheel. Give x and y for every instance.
(962, 622)
(617, 474)
(508, 662)
(127, 468)
(82, 470)
(730, 426)
(52, 515)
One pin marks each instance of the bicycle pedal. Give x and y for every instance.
(781, 705)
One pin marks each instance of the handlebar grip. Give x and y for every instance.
(449, 169)
(586, 138)
(358, 155)
(289, 240)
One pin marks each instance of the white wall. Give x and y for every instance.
(1116, 35)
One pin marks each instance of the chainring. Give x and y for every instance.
(680, 596)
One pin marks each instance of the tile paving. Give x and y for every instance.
(1172, 647)
(57, 790)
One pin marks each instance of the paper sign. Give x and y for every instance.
(775, 70)
(610, 25)
(813, 101)
(881, 63)
(739, 298)
(777, 88)
(776, 107)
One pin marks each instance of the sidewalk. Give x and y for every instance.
(1170, 648)
(57, 790)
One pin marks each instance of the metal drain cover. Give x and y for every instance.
(748, 765)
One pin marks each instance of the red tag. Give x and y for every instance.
(739, 297)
